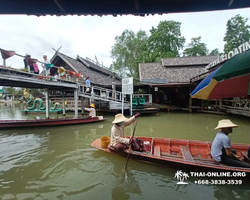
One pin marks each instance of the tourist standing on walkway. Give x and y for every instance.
(36, 68)
(45, 71)
(30, 68)
(88, 85)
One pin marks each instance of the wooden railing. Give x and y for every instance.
(101, 93)
(236, 103)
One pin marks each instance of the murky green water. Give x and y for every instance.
(58, 162)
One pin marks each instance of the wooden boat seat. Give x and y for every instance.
(157, 150)
(186, 153)
(245, 155)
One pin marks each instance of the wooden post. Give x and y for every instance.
(131, 106)
(76, 103)
(47, 103)
(220, 104)
(122, 104)
(190, 101)
(4, 62)
(63, 102)
(82, 105)
(113, 85)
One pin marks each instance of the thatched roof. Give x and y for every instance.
(111, 7)
(97, 75)
(174, 70)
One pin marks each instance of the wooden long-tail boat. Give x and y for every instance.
(179, 153)
(48, 122)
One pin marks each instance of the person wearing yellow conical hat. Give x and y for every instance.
(118, 140)
(91, 110)
(221, 147)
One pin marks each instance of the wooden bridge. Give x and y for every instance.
(17, 78)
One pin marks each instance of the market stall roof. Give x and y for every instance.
(115, 7)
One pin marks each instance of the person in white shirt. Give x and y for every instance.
(91, 110)
(118, 140)
(46, 61)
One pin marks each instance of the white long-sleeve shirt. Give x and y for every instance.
(91, 111)
(117, 132)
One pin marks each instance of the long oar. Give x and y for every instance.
(130, 148)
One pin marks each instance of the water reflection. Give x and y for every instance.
(19, 150)
(231, 192)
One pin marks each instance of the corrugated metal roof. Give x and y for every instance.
(115, 7)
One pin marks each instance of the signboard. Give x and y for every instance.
(243, 47)
(127, 85)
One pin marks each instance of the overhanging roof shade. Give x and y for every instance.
(115, 7)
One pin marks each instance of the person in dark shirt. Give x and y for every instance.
(30, 68)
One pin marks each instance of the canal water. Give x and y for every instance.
(58, 162)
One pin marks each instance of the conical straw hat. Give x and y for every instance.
(225, 123)
(119, 118)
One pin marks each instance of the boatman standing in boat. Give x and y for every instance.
(91, 110)
(118, 140)
(221, 147)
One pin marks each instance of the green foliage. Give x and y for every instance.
(196, 48)
(131, 48)
(140, 91)
(166, 39)
(9, 90)
(215, 52)
(237, 33)
(24, 69)
(128, 52)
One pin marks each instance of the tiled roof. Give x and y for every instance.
(184, 61)
(175, 70)
(96, 77)
(96, 67)
(152, 71)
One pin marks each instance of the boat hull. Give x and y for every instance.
(169, 152)
(47, 122)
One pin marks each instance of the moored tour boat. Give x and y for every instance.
(48, 122)
(179, 153)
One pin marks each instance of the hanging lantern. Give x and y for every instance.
(71, 73)
(78, 75)
(61, 70)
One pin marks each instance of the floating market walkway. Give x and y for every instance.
(17, 78)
